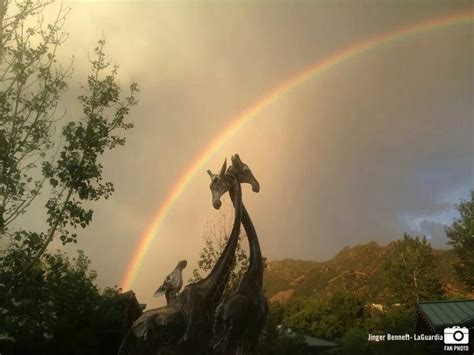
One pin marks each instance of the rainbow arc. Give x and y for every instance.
(252, 112)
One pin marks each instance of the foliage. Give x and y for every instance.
(358, 269)
(328, 319)
(290, 344)
(58, 303)
(345, 316)
(343, 319)
(49, 299)
(31, 85)
(411, 271)
(461, 237)
(393, 318)
(355, 342)
(276, 341)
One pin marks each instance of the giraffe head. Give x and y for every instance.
(242, 173)
(221, 183)
(181, 264)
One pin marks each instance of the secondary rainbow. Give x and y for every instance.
(252, 111)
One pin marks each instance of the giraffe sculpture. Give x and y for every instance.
(172, 283)
(185, 325)
(240, 319)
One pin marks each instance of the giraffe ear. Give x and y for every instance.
(210, 173)
(236, 162)
(224, 168)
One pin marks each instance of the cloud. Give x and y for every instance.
(372, 148)
(435, 231)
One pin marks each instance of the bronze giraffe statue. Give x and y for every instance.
(240, 319)
(185, 325)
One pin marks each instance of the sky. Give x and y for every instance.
(377, 146)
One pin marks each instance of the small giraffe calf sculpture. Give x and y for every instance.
(173, 283)
(240, 319)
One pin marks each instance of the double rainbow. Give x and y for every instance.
(252, 111)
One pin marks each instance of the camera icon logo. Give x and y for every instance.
(456, 335)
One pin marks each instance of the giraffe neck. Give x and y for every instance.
(256, 262)
(216, 281)
(255, 269)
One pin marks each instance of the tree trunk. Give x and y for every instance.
(415, 281)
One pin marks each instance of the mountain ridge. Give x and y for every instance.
(355, 268)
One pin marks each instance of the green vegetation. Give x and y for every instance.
(49, 302)
(328, 318)
(360, 269)
(461, 236)
(55, 307)
(215, 238)
(364, 289)
(412, 274)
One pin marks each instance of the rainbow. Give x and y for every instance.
(252, 111)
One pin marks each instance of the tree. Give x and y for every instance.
(461, 237)
(355, 342)
(215, 239)
(32, 82)
(60, 307)
(344, 311)
(306, 316)
(411, 271)
(395, 319)
(43, 294)
(328, 318)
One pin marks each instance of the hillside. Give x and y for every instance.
(355, 268)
